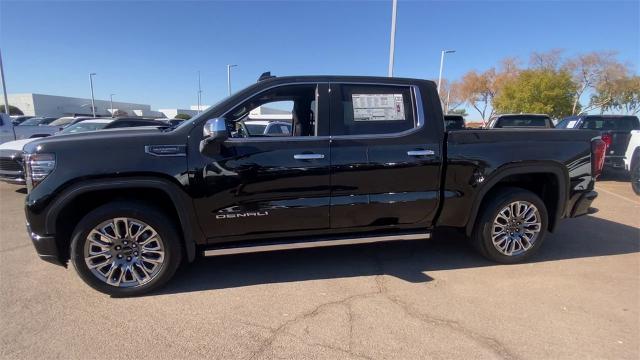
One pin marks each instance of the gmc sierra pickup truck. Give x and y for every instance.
(367, 159)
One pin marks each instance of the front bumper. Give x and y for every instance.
(582, 206)
(46, 247)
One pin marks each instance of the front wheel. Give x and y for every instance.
(125, 249)
(511, 227)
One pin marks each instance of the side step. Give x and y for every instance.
(316, 243)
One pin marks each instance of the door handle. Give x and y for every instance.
(308, 156)
(421, 152)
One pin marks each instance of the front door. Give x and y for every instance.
(263, 185)
(385, 162)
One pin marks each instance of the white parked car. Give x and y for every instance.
(9, 132)
(267, 128)
(632, 160)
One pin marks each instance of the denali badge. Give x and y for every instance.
(242, 215)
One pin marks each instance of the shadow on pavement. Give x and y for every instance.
(617, 175)
(411, 260)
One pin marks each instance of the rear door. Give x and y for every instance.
(385, 164)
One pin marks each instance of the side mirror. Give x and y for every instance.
(215, 133)
(215, 128)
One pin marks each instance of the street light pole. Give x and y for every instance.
(93, 103)
(111, 100)
(442, 65)
(199, 93)
(229, 66)
(392, 45)
(4, 87)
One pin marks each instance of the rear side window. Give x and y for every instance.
(627, 123)
(374, 109)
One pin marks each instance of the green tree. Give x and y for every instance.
(183, 116)
(543, 91)
(462, 112)
(12, 110)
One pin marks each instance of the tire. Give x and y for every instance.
(635, 172)
(136, 263)
(495, 210)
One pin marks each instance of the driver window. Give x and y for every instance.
(283, 111)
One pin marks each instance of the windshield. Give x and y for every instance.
(255, 129)
(566, 123)
(612, 123)
(32, 121)
(61, 122)
(522, 121)
(83, 127)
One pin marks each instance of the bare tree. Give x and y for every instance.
(593, 70)
(549, 60)
(477, 89)
(451, 95)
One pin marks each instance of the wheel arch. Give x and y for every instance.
(69, 206)
(528, 177)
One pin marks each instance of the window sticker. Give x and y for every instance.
(378, 107)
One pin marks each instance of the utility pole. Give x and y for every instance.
(111, 100)
(93, 103)
(442, 65)
(229, 66)
(392, 45)
(4, 87)
(199, 92)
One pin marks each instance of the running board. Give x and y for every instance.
(315, 244)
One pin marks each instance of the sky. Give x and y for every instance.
(151, 51)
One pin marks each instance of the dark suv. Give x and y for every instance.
(615, 131)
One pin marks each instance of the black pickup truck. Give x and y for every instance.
(367, 160)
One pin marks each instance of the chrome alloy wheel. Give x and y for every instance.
(516, 228)
(124, 252)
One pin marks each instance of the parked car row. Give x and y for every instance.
(11, 162)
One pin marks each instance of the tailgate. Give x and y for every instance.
(619, 142)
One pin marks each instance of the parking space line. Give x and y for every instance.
(618, 196)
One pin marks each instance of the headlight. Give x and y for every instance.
(37, 167)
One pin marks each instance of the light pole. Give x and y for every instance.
(4, 88)
(442, 65)
(229, 66)
(111, 101)
(446, 106)
(392, 45)
(199, 93)
(93, 103)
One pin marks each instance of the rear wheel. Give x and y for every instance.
(125, 249)
(511, 227)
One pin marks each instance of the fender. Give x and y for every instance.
(501, 173)
(184, 207)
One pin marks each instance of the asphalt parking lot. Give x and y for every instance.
(579, 298)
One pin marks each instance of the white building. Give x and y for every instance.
(51, 105)
(171, 113)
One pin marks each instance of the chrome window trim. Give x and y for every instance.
(418, 110)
